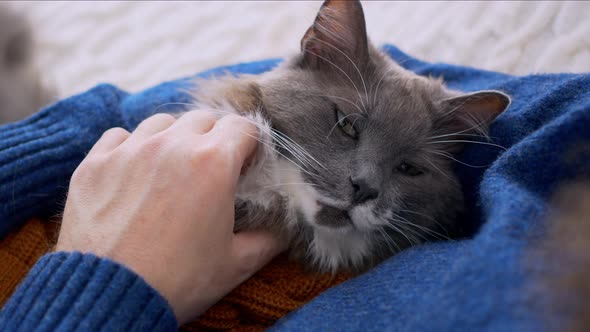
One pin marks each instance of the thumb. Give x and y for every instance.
(252, 250)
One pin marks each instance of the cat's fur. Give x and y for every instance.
(21, 90)
(348, 202)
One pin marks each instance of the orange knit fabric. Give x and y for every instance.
(20, 250)
(274, 291)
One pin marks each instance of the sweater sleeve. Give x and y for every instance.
(38, 155)
(74, 291)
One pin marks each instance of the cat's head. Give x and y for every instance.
(366, 147)
(376, 143)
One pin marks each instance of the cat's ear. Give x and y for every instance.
(473, 113)
(338, 35)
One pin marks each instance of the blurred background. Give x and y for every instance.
(135, 45)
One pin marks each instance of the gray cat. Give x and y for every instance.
(356, 154)
(21, 91)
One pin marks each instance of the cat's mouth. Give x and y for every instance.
(333, 217)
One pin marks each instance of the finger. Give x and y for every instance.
(197, 122)
(240, 134)
(109, 140)
(152, 125)
(252, 250)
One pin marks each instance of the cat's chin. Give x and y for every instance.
(338, 249)
(360, 218)
(333, 217)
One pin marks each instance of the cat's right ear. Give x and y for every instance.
(472, 113)
(338, 36)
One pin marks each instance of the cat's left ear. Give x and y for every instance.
(473, 112)
(337, 33)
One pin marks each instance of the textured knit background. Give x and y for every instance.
(135, 45)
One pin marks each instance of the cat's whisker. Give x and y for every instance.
(459, 133)
(336, 124)
(427, 217)
(412, 232)
(285, 169)
(297, 155)
(444, 115)
(439, 170)
(411, 235)
(477, 126)
(347, 100)
(388, 240)
(448, 155)
(278, 152)
(421, 237)
(423, 228)
(355, 120)
(280, 141)
(299, 147)
(263, 129)
(398, 229)
(379, 83)
(355, 67)
(169, 104)
(468, 141)
(302, 153)
(288, 184)
(328, 15)
(341, 70)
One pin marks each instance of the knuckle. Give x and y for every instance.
(241, 125)
(155, 120)
(200, 116)
(87, 168)
(236, 120)
(208, 115)
(205, 152)
(80, 173)
(210, 156)
(116, 132)
(153, 145)
(162, 117)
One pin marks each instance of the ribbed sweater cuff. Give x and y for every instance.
(74, 291)
(38, 155)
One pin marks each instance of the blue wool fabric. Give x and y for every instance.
(484, 282)
(77, 292)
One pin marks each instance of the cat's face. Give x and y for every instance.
(368, 156)
(375, 143)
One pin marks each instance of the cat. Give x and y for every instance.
(356, 155)
(21, 90)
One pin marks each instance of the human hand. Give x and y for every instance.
(161, 202)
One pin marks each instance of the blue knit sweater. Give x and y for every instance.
(480, 283)
(72, 291)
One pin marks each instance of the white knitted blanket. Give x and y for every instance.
(138, 44)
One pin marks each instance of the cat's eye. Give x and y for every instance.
(345, 125)
(409, 169)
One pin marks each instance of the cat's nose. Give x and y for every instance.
(362, 190)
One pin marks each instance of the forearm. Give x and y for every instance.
(73, 291)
